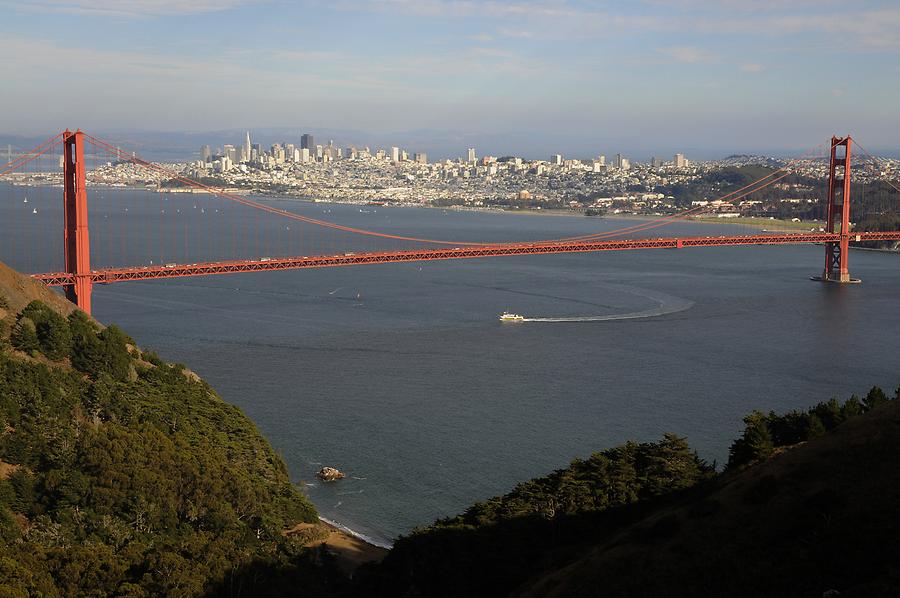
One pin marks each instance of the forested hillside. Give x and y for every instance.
(808, 502)
(121, 474)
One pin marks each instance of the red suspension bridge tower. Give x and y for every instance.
(77, 245)
(836, 254)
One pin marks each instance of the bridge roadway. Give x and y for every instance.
(110, 275)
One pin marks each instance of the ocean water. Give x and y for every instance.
(402, 376)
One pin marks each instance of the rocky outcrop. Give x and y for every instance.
(329, 474)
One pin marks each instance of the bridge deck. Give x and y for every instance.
(111, 275)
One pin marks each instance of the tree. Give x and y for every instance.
(24, 336)
(851, 407)
(754, 445)
(54, 336)
(874, 398)
(816, 428)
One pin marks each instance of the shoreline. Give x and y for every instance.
(739, 221)
(339, 527)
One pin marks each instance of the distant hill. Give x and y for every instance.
(124, 475)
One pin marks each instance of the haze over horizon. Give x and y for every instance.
(530, 77)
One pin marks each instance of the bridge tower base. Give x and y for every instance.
(837, 254)
(76, 243)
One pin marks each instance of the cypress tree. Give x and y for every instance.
(24, 336)
(54, 336)
(874, 398)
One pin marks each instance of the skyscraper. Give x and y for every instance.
(679, 160)
(395, 154)
(246, 149)
(471, 157)
(205, 153)
(307, 142)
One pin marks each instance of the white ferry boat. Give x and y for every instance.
(508, 317)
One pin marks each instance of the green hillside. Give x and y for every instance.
(121, 474)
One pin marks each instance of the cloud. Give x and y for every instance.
(687, 54)
(868, 23)
(752, 67)
(129, 8)
(463, 8)
(517, 33)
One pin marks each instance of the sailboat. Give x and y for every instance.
(34, 211)
(25, 200)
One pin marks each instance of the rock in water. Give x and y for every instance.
(329, 474)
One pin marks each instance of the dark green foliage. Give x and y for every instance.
(763, 433)
(52, 330)
(614, 477)
(98, 354)
(756, 442)
(39, 328)
(494, 545)
(4, 302)
(874, 398)
(24, 336)
(134, 480)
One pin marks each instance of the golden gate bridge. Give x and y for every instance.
(77, 276)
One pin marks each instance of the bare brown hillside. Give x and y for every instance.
(20, 290)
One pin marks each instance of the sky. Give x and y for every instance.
(525, 77)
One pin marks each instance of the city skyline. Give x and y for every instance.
(533, 77)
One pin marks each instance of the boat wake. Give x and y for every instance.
(667, 304)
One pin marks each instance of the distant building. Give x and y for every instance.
(307, 142)
(601, 159)
(395, 154)
(680, 162)
(230, 152)
(471, 155)
(656, 162)
(205, 153)
(247, 149)
(421, 158)
(556, 159)
(523, 195)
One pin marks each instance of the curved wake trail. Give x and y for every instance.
(667, 305)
